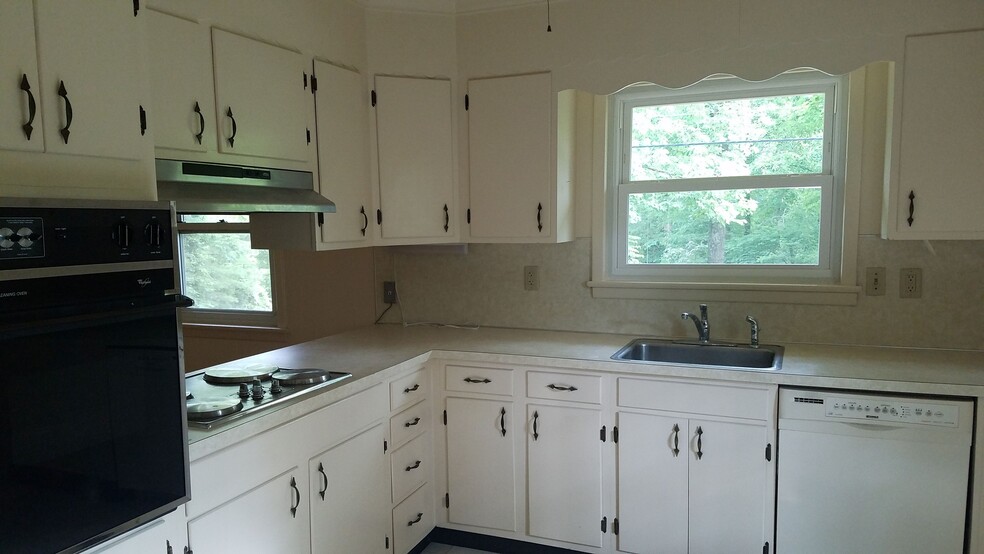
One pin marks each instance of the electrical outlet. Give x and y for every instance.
(910, 282)
(531, 277)
(874, 281)
(389, 292)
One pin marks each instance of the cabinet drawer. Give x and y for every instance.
(410, 423)
(409, 390)
(411, 466)
(564, 386)
(413, 519)
(486, 380)
(335, 423)
(694, 398)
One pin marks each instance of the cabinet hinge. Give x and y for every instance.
(372, 98)
(143, 121)
(615, 440)
(385, 446)
(445, 417)
(468, 216)
(604, 433)
(169, 549)
(379, 216)
(604, 524)
(466, 102)
(304, 73)
(136, 7)
(308, 135)
(321, 219)
(615, 525)
(387, 543)
(768, 452)
(447, 500)
(314, 89)
(765, 549)
(188, 550)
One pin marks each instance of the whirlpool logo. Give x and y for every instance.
(144, 282)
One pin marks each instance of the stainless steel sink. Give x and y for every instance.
(763, 357)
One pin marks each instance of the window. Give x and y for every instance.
(727, 181)
(230, 282)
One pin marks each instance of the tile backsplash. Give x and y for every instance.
(485, 287)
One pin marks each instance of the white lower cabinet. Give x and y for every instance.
(349, 500)
(481, 463)
(413, 520)
(564, 454)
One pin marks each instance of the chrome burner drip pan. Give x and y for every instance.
(219, 395)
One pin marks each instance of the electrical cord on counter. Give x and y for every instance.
(378, 319)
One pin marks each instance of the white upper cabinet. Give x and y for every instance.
(415, 153)
(940, 179)
(74, 80)
(182, 113)
(517, 191)
(20, 111)
(342, 103)
(262, 98)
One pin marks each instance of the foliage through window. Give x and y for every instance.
(728, 179)
(231, 282)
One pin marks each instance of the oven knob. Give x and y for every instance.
(154, 234)
(275, 387)
(257, 390)
(122, 234)
(243, 390)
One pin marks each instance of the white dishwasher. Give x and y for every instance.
(871, 473)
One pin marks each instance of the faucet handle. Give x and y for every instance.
(755, 330)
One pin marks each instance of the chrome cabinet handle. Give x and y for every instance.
(321, 470)
(414, 466)
(415, 421)
(700, 432)
(474, 380)
(32, 107)
(408, 390)
(293, 508)
(420, 516)
(676, 440)
(561, 387)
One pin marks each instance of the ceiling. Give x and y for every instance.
(447, 6)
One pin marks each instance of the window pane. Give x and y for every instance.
(774, 135)
(771, 226)
(222, 272)
(213, 218)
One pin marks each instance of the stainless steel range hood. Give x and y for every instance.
(197, 187)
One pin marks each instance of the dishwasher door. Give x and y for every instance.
(853, 480)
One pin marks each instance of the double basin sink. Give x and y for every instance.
(765, 357)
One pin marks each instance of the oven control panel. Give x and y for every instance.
(891, 410)
(40, 237)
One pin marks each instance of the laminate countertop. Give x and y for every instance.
(376, 353)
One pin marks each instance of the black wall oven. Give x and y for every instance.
(93, 433)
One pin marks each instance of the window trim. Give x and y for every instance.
(233, 318)
(839, 289)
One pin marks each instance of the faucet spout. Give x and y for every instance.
(703, 327)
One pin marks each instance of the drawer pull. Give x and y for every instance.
(552, 386)
(474, 380)
(420, 515)
(415, 421)
(408, 390)
(321, 470)
(676, 440)
(699, 433)
(414, 466)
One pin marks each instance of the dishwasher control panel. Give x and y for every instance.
(891, 410)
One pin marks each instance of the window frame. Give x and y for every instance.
(231, 318)
(832, 182)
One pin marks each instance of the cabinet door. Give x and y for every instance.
(727, 486)
(942, 130)
(343, 151)
(481, 478)
(183, 102)
(652, 483)
(350, 496)
(272, 517)
(564, 456)
(19, 71)
(414, 141)
(262, 85)
(96, 50)
(509, 143)
(165, 535)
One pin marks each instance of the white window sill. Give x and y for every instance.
(829, 295)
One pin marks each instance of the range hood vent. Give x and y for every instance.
(205, 188)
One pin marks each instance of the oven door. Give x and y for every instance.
(92, 422)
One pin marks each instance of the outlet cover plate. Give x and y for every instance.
(910, 282)
(531, 277)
